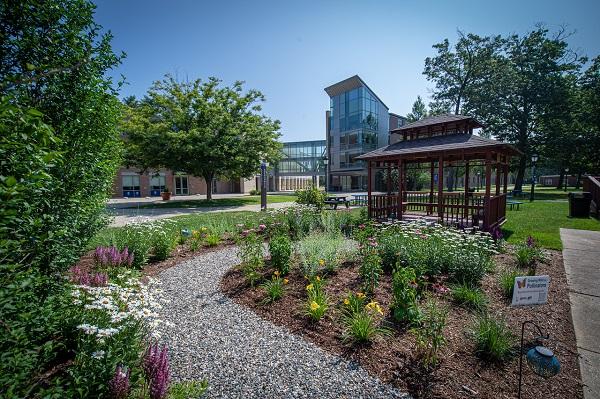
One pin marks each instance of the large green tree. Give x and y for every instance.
(201, 128)
(55, 58)
(419, 110)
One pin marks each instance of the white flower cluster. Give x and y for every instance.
(130, 302)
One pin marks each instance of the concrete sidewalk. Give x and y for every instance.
(581, 254)
(123, 216)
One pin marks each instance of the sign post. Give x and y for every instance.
(530, 290)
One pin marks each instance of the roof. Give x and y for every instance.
(438, 120)
(348, 84)
(397, 116)
(460, 141)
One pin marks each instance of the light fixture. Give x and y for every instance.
(534, 158)
(540, 359)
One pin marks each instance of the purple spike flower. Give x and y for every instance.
(530, 242)
(156, 370)
(112, 257)
(119, 384)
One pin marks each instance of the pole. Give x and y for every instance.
(263, 186)
(542, 336)
(531, 197)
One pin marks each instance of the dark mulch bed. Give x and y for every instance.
(460, 373)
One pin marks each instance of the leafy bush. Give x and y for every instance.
(364, 324)
(468, 296)
(370, 268)
(320, 253)
(251, 253)
(137, 238)
(430, 334)
(254, 192)
(311, 196)
(529, 254)
(317, 302)
(507, 281)
(280, 248)
(404, 290)
(274, 287)
(212, 240)
(163, 244)
(493, 339)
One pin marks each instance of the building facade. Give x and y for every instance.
(302, 165)
(357, 122)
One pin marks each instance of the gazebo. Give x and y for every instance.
(442, 144)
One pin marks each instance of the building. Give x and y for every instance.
(357, 122)
(302, 165)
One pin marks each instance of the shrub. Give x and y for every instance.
(529, 254)
(468, 296)
(274, 288)
(163, 244)
(137, 238)
(251, 253)
(370, 268)
(212, 240)
(404, 291)
(280, 248)
(507, 281)
(430, 334)
(493, 339)
(254, 192)
(311, 196)
(317, 302)
(364, 325)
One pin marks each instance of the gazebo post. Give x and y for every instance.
(505, 173)
(431, 172)
(400, 191)
(488, 183)
(369, 189)
(441, 189)
(466, 202)
(388, 201)
(498, 174)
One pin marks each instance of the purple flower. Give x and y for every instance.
(112, 257)
(496, 233)
(156, 369)
(530, 242)
(119, 384)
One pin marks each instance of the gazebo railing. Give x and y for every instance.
(494, 211)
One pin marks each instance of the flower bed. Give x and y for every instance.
(422, 308)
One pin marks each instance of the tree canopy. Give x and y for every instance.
(201, 128)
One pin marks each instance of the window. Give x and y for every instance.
(157, 185)
(131, 186)
(181, 185)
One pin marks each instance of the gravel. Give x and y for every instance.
(241, 355)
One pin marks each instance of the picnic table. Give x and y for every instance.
(334, 201)
(513, 204)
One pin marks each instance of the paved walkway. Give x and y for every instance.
(240, 354)
(123, 216)
(581, 253)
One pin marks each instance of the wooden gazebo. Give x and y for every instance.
(440, 143)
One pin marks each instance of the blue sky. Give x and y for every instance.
(292, 50)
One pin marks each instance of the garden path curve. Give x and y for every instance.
(242, 355)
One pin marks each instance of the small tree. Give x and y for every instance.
(204, 129)
(419, 110)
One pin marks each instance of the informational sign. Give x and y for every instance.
(531, 290)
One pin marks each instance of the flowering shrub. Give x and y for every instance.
(251, 253)
(430, 334)
(370, 268)
(404, 290)
(163, 244)
(311, 196)
(317, 302)
(280, 248)
(274, 288)
(109, 257)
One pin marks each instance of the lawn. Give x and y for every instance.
(542, 220)
(234, 201)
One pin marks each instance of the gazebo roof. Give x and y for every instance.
(440, 123)
(451, 144)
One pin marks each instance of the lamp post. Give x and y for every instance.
(326, 163)
(540, 359)
(566, 178)
(534, 159)
(263, 185)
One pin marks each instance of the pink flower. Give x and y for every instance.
(119, 384)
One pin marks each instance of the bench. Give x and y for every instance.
(514, 204)
(333, 202)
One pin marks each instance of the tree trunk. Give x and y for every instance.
(521, 173)
(208, 178)
(561, 179)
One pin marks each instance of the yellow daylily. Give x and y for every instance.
(285, 281)
(277, 273)
(321, 262)
(360, 295)
(346, 301)
(318, 278)
(374, 306)
(309, 287)
(314, 306)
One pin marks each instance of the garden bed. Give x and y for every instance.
(460, 373)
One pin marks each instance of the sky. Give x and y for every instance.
(292, 50)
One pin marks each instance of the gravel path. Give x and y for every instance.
(241, 355)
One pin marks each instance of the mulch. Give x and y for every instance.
(460, 373)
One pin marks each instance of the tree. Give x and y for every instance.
(55, 59)
(458, 71)
(419, 110)
(201, 128)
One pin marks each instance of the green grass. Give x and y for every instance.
(234, 201)
(542, 220)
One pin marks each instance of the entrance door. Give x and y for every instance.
(181, 185)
